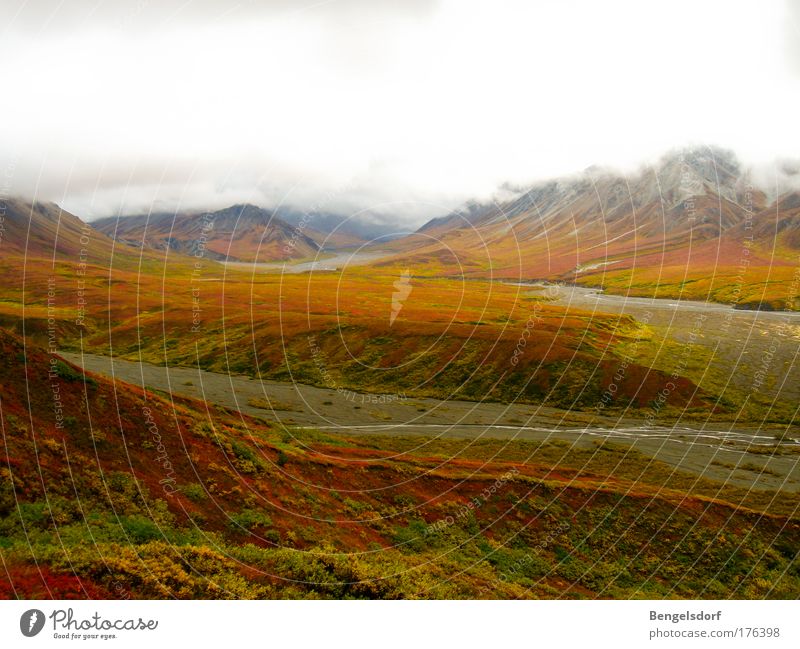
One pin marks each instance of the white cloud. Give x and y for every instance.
(410, 107)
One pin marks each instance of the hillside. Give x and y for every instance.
(36, 230)
(133, 494)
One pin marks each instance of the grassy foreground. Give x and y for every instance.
(138, 495)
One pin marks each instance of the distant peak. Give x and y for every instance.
(244, 208)
(704, 159)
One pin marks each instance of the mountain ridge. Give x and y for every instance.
(241, 232)
(693, 216)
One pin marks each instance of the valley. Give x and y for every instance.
(578, 391)
(425, 300)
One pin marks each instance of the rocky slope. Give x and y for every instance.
(692, 217)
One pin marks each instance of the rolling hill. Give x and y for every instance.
(36, 230)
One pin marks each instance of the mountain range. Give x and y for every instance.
(237, 233)
(45, 230)
(694, 225)
(696, 217)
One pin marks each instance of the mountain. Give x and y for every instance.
(780, 222)
(341, 230)
(687, 218)
(586, 219)
(109, 490)
(237, 233)
(38, 230)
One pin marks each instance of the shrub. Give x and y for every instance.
(69, 373)
(411, 537)
(250, 519)
(139, 529)
(194, 492)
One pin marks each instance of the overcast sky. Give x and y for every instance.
(403, 108)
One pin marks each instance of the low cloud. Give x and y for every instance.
(399, 110)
